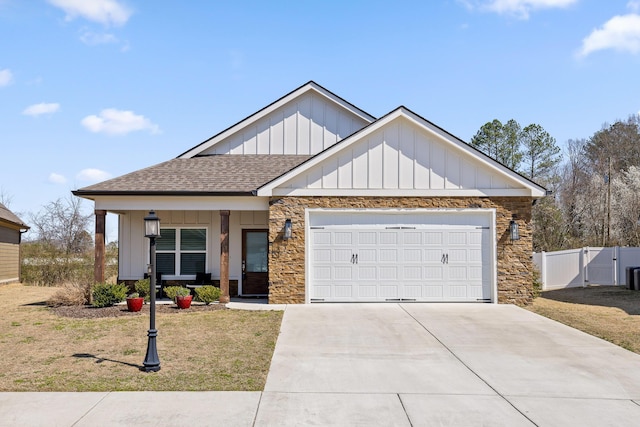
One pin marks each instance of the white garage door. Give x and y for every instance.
(400, 257)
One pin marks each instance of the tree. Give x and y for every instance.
(619, 142)
(62, 225)
(540, 153)
(625, 204)
(500, 142)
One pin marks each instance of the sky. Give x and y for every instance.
(94, 89)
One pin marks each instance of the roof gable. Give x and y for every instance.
(8, 218)
(306, 121)
(402, 154)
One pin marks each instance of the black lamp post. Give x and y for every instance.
(152, 231)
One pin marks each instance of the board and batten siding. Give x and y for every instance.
(304, 126)
(400, 156)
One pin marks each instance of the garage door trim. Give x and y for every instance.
(485, 218)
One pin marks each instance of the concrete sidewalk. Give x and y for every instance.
(388, 365)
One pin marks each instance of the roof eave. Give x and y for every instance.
(89, 193)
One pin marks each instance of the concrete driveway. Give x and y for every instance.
(444, 365)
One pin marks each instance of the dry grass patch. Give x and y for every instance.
(198, 350)
(608, 312)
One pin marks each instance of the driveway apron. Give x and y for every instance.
(444, 364)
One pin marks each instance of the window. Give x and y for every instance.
(181, 251)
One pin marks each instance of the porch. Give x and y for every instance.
(225, 248)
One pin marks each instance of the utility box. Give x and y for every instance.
(636, 279)
(633, 278)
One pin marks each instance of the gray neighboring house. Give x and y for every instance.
(11, 229)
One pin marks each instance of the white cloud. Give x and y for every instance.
(634, 5)
(118, 122)
(6, 77)
(518, 8)
(93, 175)
(56, 178)
(90, 38)
(106, 12)
(621, 33)
(42, 108)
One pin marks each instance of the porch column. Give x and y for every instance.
(224, 256)
(99, 263)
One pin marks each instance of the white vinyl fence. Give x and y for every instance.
(585, 266)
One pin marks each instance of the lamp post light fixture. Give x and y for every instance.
(152, 231)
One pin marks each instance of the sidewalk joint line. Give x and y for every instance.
(91, 409)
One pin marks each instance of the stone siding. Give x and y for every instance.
(287, 257)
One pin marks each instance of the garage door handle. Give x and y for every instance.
(354, 258)
(445, 259)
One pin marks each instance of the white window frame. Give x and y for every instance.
(177, 252)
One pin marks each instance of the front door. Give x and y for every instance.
(255, 262)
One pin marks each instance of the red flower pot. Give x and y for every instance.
(135, 304)
(184, 302)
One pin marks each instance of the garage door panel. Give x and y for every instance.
(321, 237)
(412, 272)
(342, 238)
(343, 273)
(341, 256)
(388, 255)
(321, 273)
(432, 292)
(368, 291)
(412, 238)
(367, 238)
(457, 290)
(389, 291)
(367, 255)
(431, 238)
(344, 291)
(457, 256)
(457, 273)
(388, 237)
(433, 273)
(368, 273)
(412, 255)
(321, 291)
(457, 238)
(322, 255)
(432, 255)
(388, 272)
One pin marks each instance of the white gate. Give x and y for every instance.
(585, 266)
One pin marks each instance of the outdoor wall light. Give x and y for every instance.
(513, 230)
(152, 231)
(287, 229)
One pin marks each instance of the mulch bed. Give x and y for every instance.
(90, 312)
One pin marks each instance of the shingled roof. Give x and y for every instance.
(206, 175)
(7, 216)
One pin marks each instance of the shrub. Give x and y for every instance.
(207, 294)
(108, 294)
(133, 295)
(70, 294)
(537, 283)
(142, 288)
(173, 291)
